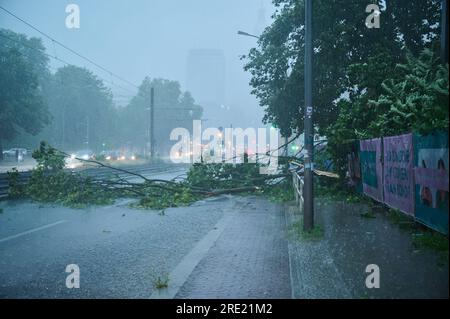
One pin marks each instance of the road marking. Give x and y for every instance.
(32, 231)
(182, 271)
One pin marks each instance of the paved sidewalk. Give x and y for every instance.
(334, 266)
(248, 260)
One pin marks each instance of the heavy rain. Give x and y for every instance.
(226, 149)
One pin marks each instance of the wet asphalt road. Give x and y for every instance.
(118, 250)
(121, 251)
(224, 247)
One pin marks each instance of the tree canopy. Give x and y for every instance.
(83, 109)
(173, 108)
(367, 82)
(72, 108)
(343, 46)
(22, 107)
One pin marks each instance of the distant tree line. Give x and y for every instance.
(71, 108)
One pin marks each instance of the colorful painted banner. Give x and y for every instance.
(431, 164)
(371, 168)
(398, 180)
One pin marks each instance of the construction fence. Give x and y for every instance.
(407, 172)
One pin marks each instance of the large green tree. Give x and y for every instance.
(22, 108)
(83, 110)
(359, 73)
(173, 108)
(342, 45)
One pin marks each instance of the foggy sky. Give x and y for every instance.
(136, 38)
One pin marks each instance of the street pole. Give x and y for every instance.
(87, 131)
(64, 129)
(308, 196)
(152, 123)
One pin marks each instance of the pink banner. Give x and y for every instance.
(398, 180)
(431, 178)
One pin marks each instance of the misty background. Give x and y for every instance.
(171, 39)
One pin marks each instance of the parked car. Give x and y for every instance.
(12, 152)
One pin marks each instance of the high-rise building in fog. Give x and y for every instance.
(206, 79)
(260, 20)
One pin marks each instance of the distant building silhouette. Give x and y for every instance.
(260, 20)
(206, 78)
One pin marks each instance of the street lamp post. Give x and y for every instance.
(308, 215)
(150, 144)
(152, 124)
(247, 34)
(201, 140)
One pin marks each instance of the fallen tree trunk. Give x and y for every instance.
(233, 190)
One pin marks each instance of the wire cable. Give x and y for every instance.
(60, 60)
(67, 48)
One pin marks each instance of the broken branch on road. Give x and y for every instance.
(50, 182)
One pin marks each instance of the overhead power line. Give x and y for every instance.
(60, 60)
(69, 49)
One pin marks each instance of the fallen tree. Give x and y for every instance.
(50, 182)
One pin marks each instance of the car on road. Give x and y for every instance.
(73, 162)
(117, 156)
(83, 154)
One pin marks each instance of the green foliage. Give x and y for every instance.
(48, 158)
(174, 107)
(161, 282)
(79, 102)
(415, 101)
(315, 234)
(159, 198)
(160, 278)
(31, 49)
(224, 175)
(22, 106)
(67, 189)
(432, 240)
(16, 189)
(62, 107)
(281, 192)
(334, 189)
(322, 158)
(341, 40)
(50, 183)
(357, 83)
(412, 99)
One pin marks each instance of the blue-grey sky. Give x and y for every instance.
(135, 38)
